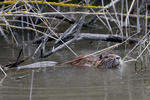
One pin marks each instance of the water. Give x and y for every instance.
(70, 83)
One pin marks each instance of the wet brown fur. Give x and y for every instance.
(89, 61)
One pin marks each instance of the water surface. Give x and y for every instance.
(71, 83)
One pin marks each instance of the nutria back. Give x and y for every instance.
(83, 60)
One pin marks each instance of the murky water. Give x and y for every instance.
(69, 83)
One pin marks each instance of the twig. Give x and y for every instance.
(58, 48)
(126, 20)
(2, 70)
(31, 85)
(2, 80)
(141, 40)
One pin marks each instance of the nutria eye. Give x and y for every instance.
(100, 57)
(118, 57)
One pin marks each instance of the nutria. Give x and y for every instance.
(109, 61)
(87, 60)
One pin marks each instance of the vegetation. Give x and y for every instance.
(40, 22)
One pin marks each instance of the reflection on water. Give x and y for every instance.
(77, 84)
(70, 83)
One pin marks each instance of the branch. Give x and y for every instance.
(107, 37)
(96, 36)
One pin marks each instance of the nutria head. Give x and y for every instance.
(109, 61)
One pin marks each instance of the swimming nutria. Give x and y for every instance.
(109, 61)
(87, 60)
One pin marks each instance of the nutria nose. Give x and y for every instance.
(118, 57)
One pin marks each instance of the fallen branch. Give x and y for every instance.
(107, 37)
(75, 37)
(103, 37)
(38, 65)
(58, 48)
(90, 36)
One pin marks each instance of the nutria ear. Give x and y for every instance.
(101, 56)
